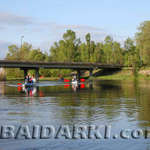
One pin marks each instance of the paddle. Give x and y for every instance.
(66, 80)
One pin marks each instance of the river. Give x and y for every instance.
(119, 104)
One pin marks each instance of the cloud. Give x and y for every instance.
(52, 32)
(2, 28)
(4, 48)
(57, 30)
(82, 30)
(11, 19)
(43, 34)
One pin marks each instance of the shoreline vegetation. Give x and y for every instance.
(125, 74)
(133, 52)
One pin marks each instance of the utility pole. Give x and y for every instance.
(21, 41)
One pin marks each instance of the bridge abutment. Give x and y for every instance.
(90, 72)
(37, 74)
(2, 74)
(25, 72)
(78, 74)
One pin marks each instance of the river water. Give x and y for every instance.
(119, 104)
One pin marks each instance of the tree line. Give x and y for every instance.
(133, 52)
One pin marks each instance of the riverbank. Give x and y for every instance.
(144, 74)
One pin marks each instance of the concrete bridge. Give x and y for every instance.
(27, 65)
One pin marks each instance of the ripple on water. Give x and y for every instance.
(121, 104)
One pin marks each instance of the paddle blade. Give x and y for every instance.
(82, 80)
(19, 83)
(66, 80)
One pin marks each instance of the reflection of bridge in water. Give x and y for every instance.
(24, 65)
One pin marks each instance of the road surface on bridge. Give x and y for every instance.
(57, 65)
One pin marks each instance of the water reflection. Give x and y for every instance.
(105, 101)
(36, 90)
(123, 104)
(30, 91)
(2, 88)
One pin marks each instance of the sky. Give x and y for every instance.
(42, 22)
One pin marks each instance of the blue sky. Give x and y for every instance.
(44, 21)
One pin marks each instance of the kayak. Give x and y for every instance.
(74, 82)
(29, 84)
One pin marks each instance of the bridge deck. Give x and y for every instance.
(56, 65)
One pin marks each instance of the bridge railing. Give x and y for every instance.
(60, 63)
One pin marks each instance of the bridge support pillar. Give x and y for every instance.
(25, 72)
(91, 84)
(37, 74)
(78, 74)
(91, 73)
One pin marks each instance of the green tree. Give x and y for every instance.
(99, 53)
(108, 49)
(130, 49)
(12, 54)
(132, 55)
(117, 53)
(143, 41)
(25, 53)
(36, 55)
(66, 50)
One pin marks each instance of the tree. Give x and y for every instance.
(16, 53)
(67, 49)
(132, 56)
(12, 53)
(117, 53)
(108, 49)
(98, 53)
(143, 41)
(25, 53)
(130, 49)
(36, 55)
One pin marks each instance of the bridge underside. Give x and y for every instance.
(56, 65)
(37, 72)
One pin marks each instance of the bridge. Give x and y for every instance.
(27, 65)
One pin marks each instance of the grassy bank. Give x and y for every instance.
(118, 76)
(144, 74)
